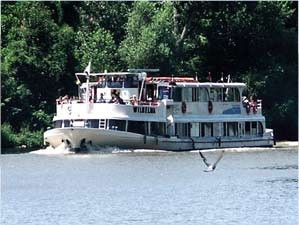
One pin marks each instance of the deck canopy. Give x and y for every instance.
(211, 85)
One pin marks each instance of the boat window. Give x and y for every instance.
(66, 123)
(217, 129)
(115, 82)
(82, 93)
(131, 82)
(137, 127)
(187, 94)
(247, 128)
(203, 95)
(224, 129)
(92, 123)
(151, 92)
(78, 123)
(195, 94)
(260, 129)
(254, 128)
(164, 92)
(207, 130)
(117, 125)
(232, 95)
(194, 129)
(57, 124)
(232, 128)
(177, 94)
(157, 128)
(101, 82)
(182, 129)
(216, 94)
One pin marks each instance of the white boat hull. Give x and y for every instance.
(78, 139)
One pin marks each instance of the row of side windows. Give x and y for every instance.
(217, 129)
(203, 94)
(226, 129)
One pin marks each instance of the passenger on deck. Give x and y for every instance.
(65, 99)
(245, 101)
(101, 99)
(251, 101)
(59, 100)
(119, 100)
(134, 100)
(90, 99)
(113, 99)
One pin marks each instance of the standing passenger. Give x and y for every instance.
(101, 99)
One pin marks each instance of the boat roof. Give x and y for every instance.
(211, 85)
(183, 81)
(107, 74)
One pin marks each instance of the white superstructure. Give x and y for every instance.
(134, 111)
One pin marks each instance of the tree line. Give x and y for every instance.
(45, 43)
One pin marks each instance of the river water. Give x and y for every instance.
(249, 186)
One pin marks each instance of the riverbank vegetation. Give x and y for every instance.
(45, 43)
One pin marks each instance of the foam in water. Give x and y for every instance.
(60, 150)
(63, 150)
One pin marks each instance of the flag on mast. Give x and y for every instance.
(87, 69)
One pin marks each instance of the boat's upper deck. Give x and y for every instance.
(136, 96)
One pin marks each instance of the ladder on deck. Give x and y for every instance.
(102, 124)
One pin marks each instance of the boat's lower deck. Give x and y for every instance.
(84, 138)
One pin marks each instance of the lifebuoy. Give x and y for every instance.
(184, 107)
(210, 106)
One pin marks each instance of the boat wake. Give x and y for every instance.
(60, 150)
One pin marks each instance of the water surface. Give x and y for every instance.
(248, 187)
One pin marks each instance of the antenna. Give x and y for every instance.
(143, 70)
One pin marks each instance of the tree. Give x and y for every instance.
(44, 43)
(98, 47)
(35, 53)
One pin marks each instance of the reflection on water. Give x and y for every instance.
(150, 187)
(284, 180)
(285, 167)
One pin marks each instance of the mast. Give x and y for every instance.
(87, 72)
(142, 85)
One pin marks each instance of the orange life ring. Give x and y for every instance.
(210, 106)
(184, 107)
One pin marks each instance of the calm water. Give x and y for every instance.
(257, 187)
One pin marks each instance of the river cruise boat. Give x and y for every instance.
(132, 110)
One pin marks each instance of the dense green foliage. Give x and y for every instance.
(44, 43)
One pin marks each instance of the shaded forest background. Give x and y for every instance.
(44, 43)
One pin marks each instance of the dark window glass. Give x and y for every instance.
(137, 127)
(58, 124)
(260, 129)
(164, 93)
(92, 123)
(131, 82)
(182, 129)
(232, 128)
(247, 128)
(157, 128)
(177, 94)
(66, 123)
(117, 125)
